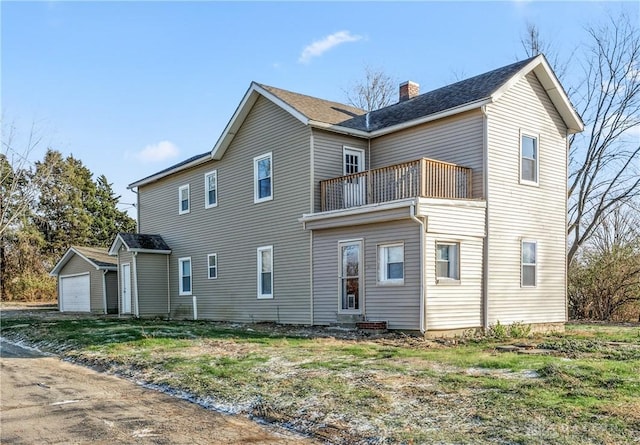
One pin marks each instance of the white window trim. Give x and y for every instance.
(382, 266)
(180, 276)
(537, 139)
(213, 173)
(256, 186)
(215, 255)
(360, 242)
(522, 263)
(262, 296)
(345, 149)
(448, 280)
(180, 189)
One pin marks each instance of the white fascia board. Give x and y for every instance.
(60, 264)
(552, 86)
(241, 113)
(339, 129)
(164, 252)
(357, 210)
(115, 246)
(158, 176)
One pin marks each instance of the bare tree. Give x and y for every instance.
(377, 90)
(604, 161)
(604, 170)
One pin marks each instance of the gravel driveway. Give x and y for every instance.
(47, 401)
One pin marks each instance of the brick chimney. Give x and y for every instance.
(408, 90)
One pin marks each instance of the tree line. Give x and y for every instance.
(45, 207)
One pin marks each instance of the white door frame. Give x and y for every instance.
(360, 277)
(125, 283)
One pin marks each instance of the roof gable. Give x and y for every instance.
(138, 242)
(97, 257)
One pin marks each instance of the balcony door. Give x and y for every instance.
(354, 188)
(351, 281)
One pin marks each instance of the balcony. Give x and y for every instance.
(424, 178)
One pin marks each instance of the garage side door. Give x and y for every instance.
(74, 294)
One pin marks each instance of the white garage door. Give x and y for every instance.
(74, 294)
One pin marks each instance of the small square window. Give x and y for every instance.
(447, 261)
(211, 189)
(263, 178)
(529, 263)
(212, 266)
(391, 263)
(183, 197)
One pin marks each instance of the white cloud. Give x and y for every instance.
(158, 152)
(319, 47)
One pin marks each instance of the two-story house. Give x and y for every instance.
(445, 211)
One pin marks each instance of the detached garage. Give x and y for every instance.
(87, 281)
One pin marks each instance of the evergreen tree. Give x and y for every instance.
(107, 219)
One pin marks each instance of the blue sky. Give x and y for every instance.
(131, 88)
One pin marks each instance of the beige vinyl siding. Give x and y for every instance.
(328, 159)
(455, 305)
(398, 305)
(77, 265)
(518, 211)
(465, 218)
(237, 227)
(151, 272)
(111, 280)
(457, 139)
(125, 257)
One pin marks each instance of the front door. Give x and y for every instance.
(354, 188)
(351, 286)
(126, 288)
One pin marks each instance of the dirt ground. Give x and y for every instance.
(47, 401)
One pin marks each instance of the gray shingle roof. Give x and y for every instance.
(451, 96)
(316, 109)
(142, 241)
(97, 255)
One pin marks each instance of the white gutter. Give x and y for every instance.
(423, 299)
(357, 210)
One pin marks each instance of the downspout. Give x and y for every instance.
(304, 226)
(485, 190)
(104, 289)
(423, 299)
(137, 210)
(135, 282)
(168, 290)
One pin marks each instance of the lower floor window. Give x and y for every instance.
(391, 263)
(212, 266)
(447, 261)
(265, 272)
(184, 267)
(529, 263)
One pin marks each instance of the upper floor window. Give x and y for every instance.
(391, 263)
(528, 159)
(447, 261)
(212, 266)
(184, 269)
(263, 178)
(211, 189)
(265, 272)
(529, 263)
(183, 197)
